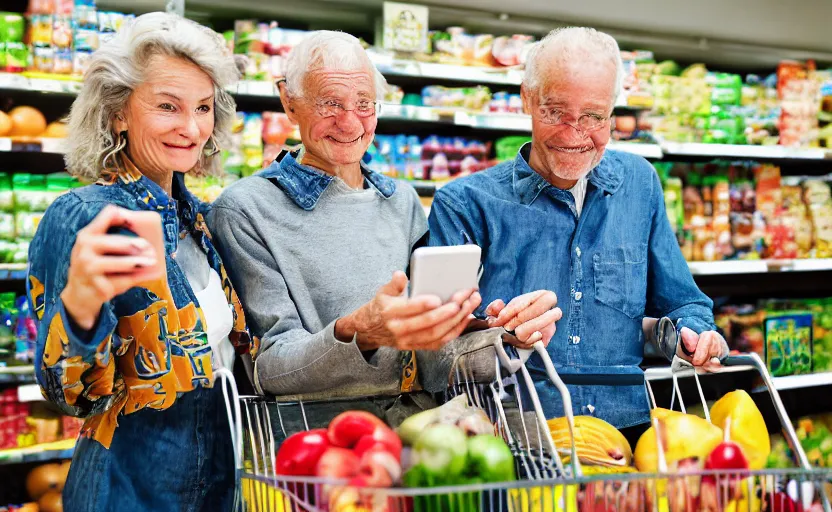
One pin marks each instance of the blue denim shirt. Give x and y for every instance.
(612, 266)
(149, 345)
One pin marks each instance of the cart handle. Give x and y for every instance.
(750, 361)
(515, 365)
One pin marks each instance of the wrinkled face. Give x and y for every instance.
(571, 117)
(336, 116)
(169, 117)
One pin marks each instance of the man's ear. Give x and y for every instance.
(526, 96)
(289, 103)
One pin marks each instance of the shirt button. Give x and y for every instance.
(578, 295)
(578, 251)
(576, 339)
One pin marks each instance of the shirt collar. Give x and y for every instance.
(150, 196)
(305, 184)
(528, 184)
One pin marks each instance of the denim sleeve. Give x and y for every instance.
(75, 368)
(448, 225)
(671, 290)
(291, 360)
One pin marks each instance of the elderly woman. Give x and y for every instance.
(313, 241)
(136, 357)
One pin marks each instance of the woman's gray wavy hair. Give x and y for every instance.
(116, 69)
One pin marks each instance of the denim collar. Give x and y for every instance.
(150, 196)
(528, 184)
(304, 184)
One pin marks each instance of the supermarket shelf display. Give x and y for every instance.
(18, 335)
(746, 210)
(794, 336)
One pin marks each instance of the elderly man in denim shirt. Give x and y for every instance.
(566, 215)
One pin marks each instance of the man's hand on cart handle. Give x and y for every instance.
(702, 350)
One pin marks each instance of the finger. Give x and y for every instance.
(396, 285)
(403, 327)
(712, 365)
(525, 330)
(437, 332)
(121, 264)
(691, 340)
(401, 307)
(109, 216)
(475, 300)
(462, 295)
(495, 307)
(535, 310)
(518, 304)
(548, 332)
(119, 245)
(703, 348)
(543, 302)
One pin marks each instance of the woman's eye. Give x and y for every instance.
(204, 109)
(167, 106)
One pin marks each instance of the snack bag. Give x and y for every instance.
(788, 347)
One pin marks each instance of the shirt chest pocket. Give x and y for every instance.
(621, 278)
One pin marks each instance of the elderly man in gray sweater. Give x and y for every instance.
(316, 245)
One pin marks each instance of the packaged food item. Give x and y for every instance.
(511, 51)
(769, 195)
(673, 203)
(788, 346)
(798, 90)
(252, 143)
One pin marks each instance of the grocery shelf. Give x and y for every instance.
(800, 381)
(24, 374)
(641, 149)
(13, 271)
(743, 151)
(39, 453)
(44, 145)
(390, 66)
(705, 268)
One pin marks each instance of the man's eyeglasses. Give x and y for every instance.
(587, 122)
(332, 108)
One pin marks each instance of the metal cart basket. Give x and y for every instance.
(544, 483)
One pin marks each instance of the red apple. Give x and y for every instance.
(299, 453)
(348, 427)
(381, 437)
(338, 463)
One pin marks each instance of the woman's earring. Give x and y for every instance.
(121, 143)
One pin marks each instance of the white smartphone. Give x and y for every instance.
(443, 271)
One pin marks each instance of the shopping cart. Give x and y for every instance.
(545, 483)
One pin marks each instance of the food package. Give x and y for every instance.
(821, 334)
(788, 347)
(769, 195)
(511, 51)
(798, 88)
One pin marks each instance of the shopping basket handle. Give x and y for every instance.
(749, 361)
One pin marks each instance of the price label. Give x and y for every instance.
(26, 147)
(13, 81)
(261, 88)
(53, 146)
(37, 84)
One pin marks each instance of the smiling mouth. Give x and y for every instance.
(345, 143)
(574, 149)
(174, 146)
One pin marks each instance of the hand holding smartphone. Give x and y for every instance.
(120, 249)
